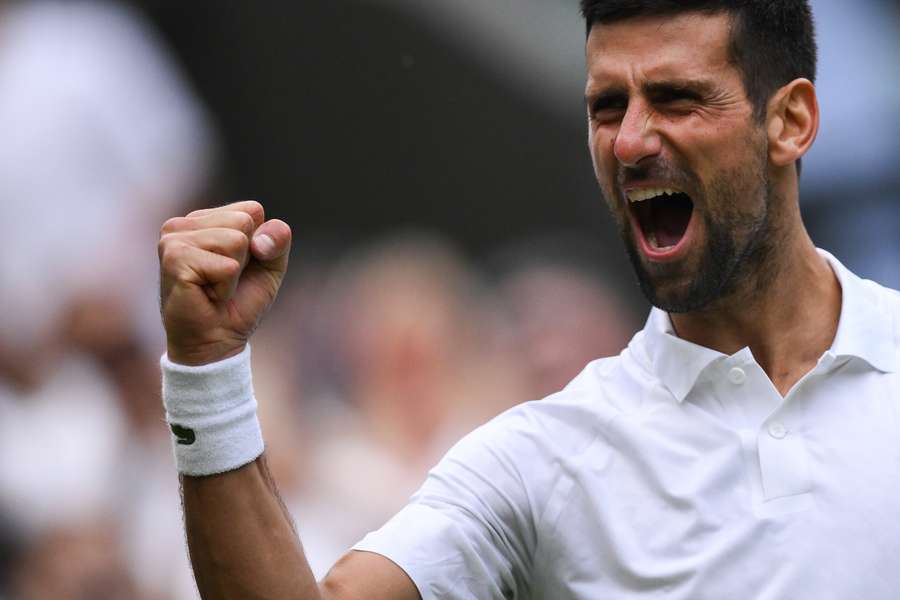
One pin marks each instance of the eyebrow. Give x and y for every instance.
(697, 88)
(612, 93)
(694, 87)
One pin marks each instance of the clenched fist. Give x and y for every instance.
(220, 269)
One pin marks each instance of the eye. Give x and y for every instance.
(675, 99)
(608, 108)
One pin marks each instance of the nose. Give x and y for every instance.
(637, 138)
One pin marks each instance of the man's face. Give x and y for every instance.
(679, 157)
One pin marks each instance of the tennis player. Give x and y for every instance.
(746, 443)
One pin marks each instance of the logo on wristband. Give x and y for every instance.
(184, 435)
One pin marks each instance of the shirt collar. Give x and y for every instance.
(865, 331)
(866, 327)
(677, 362)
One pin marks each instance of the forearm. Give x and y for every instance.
(220, 269)
(241, 539)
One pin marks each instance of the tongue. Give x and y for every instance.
(670, 220)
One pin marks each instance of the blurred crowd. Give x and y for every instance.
(374, 360)
(101, 141)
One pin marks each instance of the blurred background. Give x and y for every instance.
(452, 258)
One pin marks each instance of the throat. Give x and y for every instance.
(671, 220)
(664, 219)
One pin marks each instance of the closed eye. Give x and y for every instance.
(607, 107)
(675, 95)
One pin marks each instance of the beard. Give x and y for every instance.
(740, 243)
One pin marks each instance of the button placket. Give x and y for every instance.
(743, 392)
(784, 464)
(777, 430)
(737, 376)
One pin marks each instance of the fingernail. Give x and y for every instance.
(265, 244)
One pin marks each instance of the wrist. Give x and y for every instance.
(211, 412)
(204, 355)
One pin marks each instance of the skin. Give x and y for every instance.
(667, 108)
(221, 269)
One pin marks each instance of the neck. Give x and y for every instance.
(788, 320)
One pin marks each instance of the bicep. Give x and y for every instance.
(363, 575)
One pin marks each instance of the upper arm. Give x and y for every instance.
(468, 532)
(367, 576)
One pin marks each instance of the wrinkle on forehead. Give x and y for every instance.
(642, 49)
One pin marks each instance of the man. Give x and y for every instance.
(744, 445)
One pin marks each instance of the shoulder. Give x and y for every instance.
(873, 323)
(591, 399)
(887, 302)
(495, 490)
(501, 477)
(888, 297)
(532, 441)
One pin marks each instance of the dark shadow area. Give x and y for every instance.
(350, 120)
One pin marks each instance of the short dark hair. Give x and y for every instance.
(772, 41)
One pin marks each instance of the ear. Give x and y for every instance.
(792, 122)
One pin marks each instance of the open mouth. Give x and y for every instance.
(663, 216)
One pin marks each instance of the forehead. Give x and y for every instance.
(648, 48)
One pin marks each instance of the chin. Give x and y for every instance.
(675, 287)
(673, 298)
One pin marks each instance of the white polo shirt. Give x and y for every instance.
(676, 472)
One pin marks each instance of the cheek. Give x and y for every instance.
(738, 196)
(605, 173)
(726, 147)
(725, 167)
(592, 149)
(602, 158)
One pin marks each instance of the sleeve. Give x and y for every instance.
(468, 533)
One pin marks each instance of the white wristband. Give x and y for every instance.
(211, 412)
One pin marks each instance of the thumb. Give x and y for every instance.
(259, 283)
(271, 245)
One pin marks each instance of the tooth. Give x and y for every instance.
(647, 193)
(640, 195)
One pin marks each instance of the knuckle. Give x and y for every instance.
(171, 225)
(197, 213)
(234, 240)
(232, 267)
(255, 209)
(245, 223)
(162, 247)
(167, 242)
(172, 256)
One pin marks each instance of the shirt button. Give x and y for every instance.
(777, 430)
(737, 376)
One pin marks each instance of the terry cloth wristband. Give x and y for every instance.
(211, 412)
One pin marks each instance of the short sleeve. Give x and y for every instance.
(469, 532)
